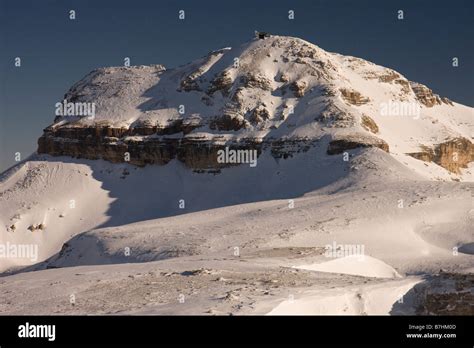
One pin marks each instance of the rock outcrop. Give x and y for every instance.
(369, 124)
(198, 153)
(260, 114)
(230, 121)
(446, 294)
(452, 155)
(298, 88)
(256, 81)
(427, 97)
(223, 82)
(353, 97)
(351, 142)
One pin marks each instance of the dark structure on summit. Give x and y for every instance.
(261, 35)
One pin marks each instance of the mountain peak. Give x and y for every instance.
(272, 88)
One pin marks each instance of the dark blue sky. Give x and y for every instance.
(56, 52)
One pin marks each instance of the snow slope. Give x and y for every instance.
(360, 207)
(355, 264)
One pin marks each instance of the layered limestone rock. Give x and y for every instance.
(353, 97)
(198, 153)
(287, 148)
(122, 145)
(369, 124)
(427, 97)
(350, 142)
(90, 143)
(452, 155)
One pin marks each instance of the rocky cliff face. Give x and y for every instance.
(119, 145)
(427, 97)
(338, 146)
(451, 155)
(262, 95)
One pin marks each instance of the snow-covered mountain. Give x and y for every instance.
(258, 95)
(349, 153)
